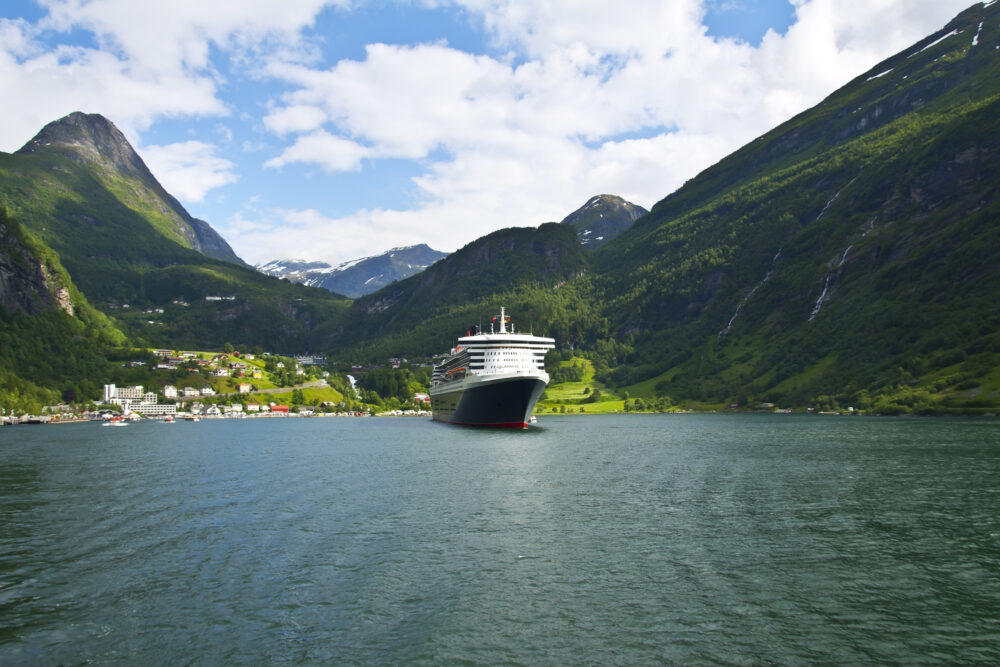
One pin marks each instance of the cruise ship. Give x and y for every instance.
(491, 379)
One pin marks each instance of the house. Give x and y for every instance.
(188, 392)
(169, 391)
(253, 407)
(279, 409)
(221, 372)
(245, 387)
(422, 398)
(213, 410)
(257, 374)
(206, 390)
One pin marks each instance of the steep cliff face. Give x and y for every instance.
(94, 142)
(27, 284)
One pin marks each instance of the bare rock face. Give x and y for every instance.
(27, 285)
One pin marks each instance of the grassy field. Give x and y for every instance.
(577, 397)
(312, 396)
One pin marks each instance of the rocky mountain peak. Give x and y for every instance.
(90, 137)
(602, 218)
(93, 141)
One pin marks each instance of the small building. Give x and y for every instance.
(188, 392)
(244, 387)
(279, 409)
(253, 407)
(206, 390)
(169, 391)
(155, 409)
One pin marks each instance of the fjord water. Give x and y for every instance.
(618, 539)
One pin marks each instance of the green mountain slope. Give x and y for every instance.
(53, 343)
(84, 192)
(537, 273)
(849, 250)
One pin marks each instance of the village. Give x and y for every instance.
(209, 385)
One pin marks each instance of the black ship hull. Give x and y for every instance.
(503, 402)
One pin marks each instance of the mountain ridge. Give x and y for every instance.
(356, 277)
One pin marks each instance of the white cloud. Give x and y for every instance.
(179, 35)
(189, 169)
(322, 148)
(51, 85)
(296, 118)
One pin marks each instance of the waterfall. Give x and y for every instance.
(750, 294)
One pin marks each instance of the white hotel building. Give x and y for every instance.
(134, 399)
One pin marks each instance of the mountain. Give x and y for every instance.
(356, 277)
(847, 253)
(83, 192)
(93, 140)
(845, 258)
(602, 218)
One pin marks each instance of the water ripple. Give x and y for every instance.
(704, 539)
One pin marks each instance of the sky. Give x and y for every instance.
(336, 129)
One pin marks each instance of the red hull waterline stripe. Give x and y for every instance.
(497, 425)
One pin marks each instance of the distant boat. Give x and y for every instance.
(115, 421)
